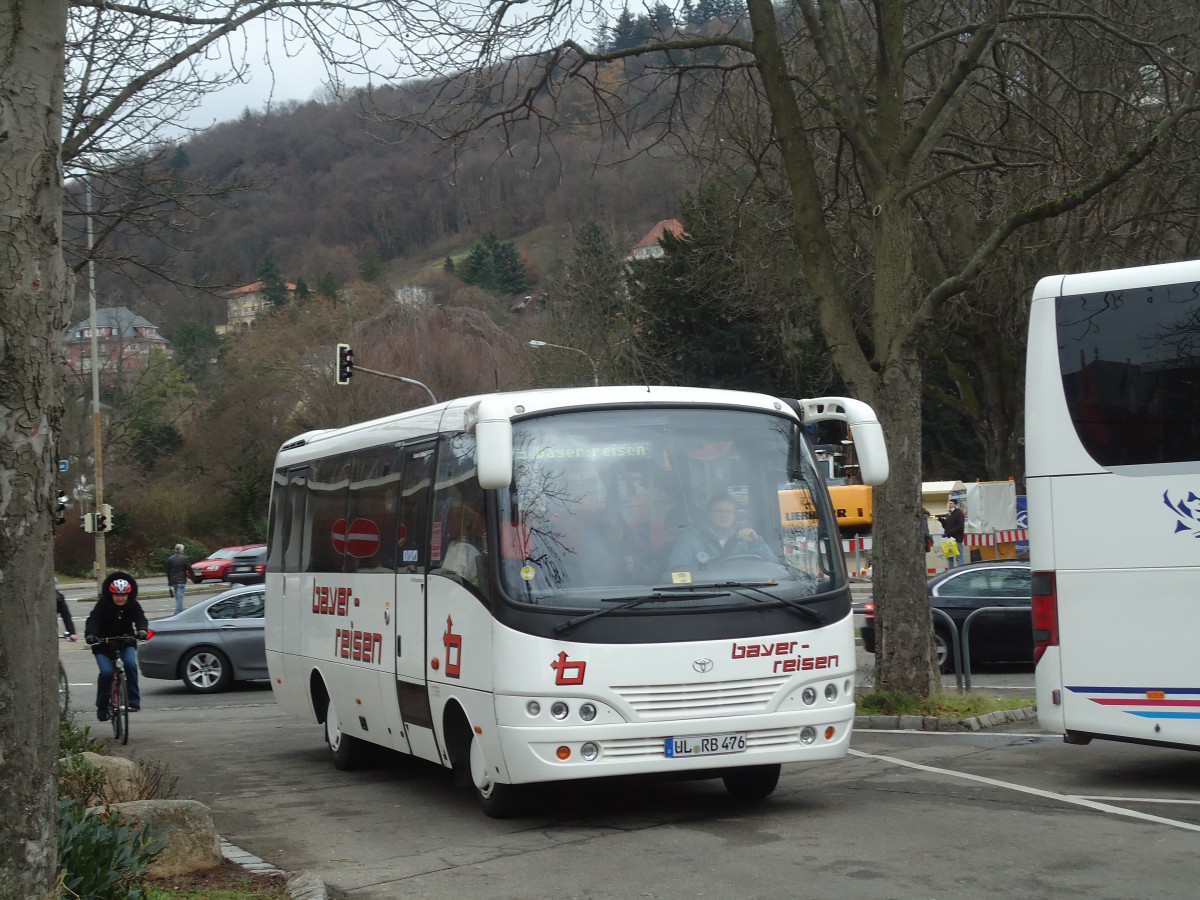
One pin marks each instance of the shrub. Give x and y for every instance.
(72, 740)
(101, 854)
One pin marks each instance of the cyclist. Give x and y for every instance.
(117, 613)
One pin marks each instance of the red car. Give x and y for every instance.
(213, 568)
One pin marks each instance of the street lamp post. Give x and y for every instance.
(595, 368)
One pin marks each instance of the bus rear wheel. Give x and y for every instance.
(498, 800)
(348, 752)
(751, 782)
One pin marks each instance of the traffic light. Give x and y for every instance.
(104, 518)
(59, 518)
(87, 522)
(345, 363)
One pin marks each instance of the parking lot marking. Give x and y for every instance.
(1140, 800)
(1036, 792)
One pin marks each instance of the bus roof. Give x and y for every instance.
(450, 416)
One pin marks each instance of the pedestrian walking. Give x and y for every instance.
(178, 567)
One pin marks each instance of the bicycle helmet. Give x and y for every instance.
(120, 586)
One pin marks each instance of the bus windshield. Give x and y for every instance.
(688, 507)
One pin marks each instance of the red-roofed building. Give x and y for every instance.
(648, 247)
(243, 305)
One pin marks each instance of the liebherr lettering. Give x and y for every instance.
(786, 657)
(348, 643)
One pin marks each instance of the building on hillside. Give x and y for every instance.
(124, 341)
(243, 305)
(648, 247)
(414, 295)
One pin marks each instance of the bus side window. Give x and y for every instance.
(412, 544)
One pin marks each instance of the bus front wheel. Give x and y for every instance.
(498, 800)
(751, 782)
(347, 751)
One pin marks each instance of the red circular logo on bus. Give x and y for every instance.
(361, 541)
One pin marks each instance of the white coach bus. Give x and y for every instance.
(563, 584)
(1112, 430)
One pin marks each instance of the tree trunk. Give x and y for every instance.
(33, 317)
(904, 657)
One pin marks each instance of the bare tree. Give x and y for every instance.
(871, 115)
(34, 287)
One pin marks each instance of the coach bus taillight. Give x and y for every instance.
(1045, 614)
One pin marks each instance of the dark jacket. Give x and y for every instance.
(953, 524)
(178, 567)
(107, 620)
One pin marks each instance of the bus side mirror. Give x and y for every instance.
(871, 452)
(493, 444)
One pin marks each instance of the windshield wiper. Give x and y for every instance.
(745, 587)
(564, 627)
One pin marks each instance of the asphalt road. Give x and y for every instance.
(1012, 813)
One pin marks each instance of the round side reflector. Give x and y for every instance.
(563, 752)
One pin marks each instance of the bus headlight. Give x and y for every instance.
(559, 710)
(587, 712)
(809, 696)
(831, 692)
(533, 708)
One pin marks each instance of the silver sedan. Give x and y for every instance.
(209, 646)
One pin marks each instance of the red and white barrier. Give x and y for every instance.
(1009, 536)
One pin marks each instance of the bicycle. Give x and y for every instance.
(64, 689)
(118, 697)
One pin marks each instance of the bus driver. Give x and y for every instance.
(718, 539)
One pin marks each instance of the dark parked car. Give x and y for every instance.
(213, 567)
(248, 568)
(209, 646)
(995, 637)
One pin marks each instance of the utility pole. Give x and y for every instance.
(97, 450)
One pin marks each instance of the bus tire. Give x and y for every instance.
(497, 799)
(348, 752)
(751, 782)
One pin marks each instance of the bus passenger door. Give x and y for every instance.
(412, 558)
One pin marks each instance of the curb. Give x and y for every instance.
(300, 885)
(936, 723)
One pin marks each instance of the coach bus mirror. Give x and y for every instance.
(871, 452)
(493, 446)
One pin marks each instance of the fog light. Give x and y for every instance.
(559, 710)
(809, 696)
(589, 751)
(533, 707)
(831, 692)
(808, 734)
(587, 712)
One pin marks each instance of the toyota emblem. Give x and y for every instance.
(703, 665)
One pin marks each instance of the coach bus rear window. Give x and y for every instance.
(1130, 363)
(614, 504)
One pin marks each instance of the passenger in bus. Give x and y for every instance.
(464, 530)
(718, 539)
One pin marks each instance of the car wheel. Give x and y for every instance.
(944, 649)
(498, 800)
(206, 671)
(751, 782)
(348, 752)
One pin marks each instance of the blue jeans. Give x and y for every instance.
(178, 597)
(108, 668)
(953, 561)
